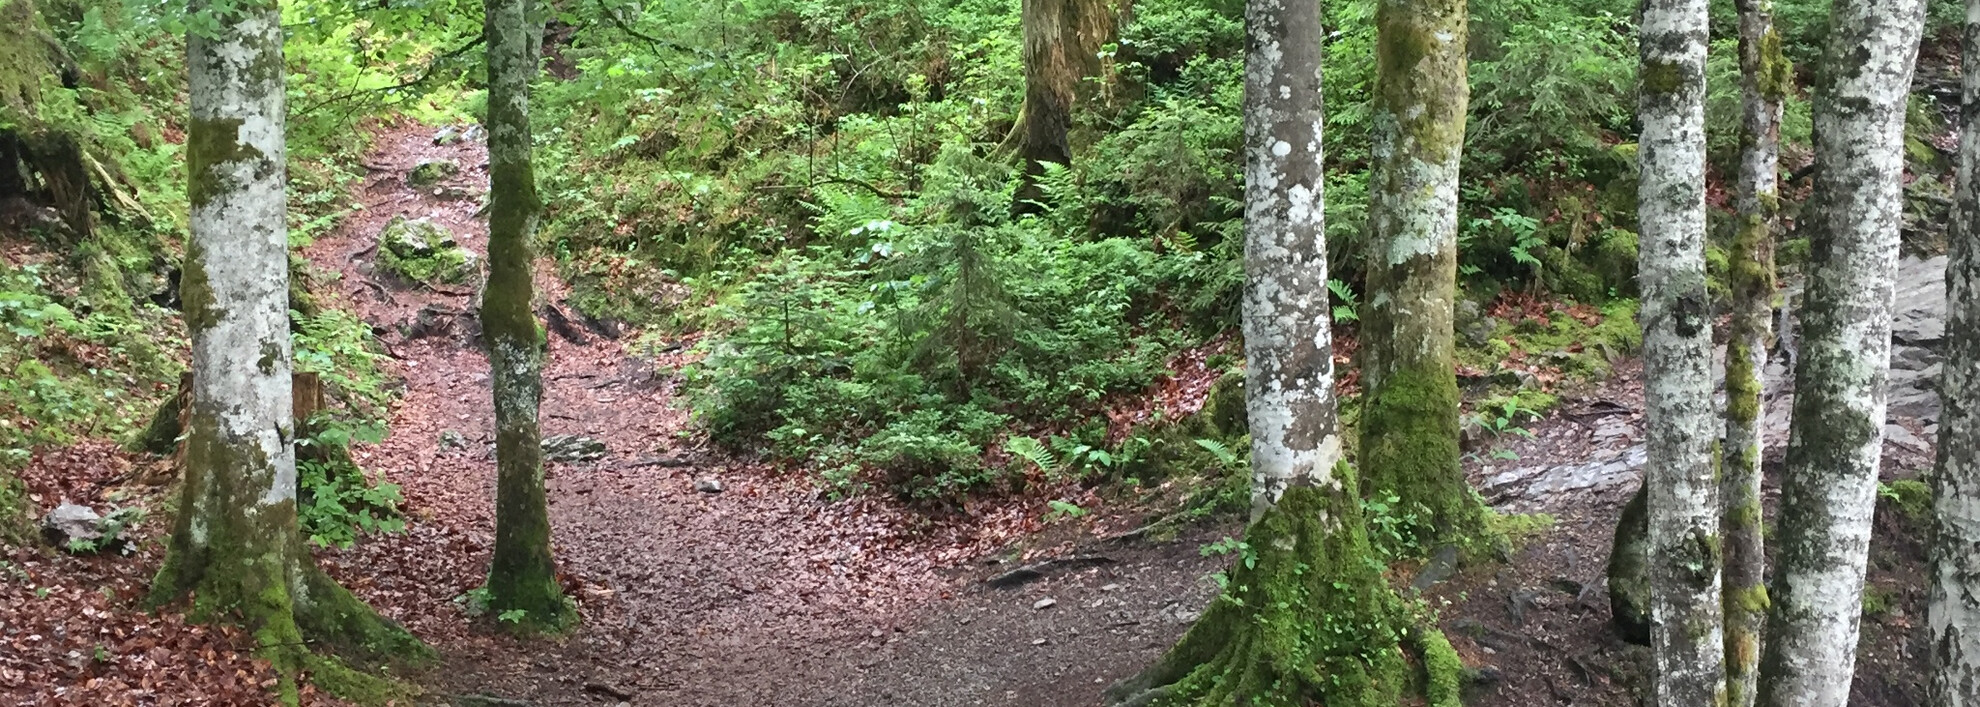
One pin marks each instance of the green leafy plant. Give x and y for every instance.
(335, 502)
(1348, 306)
(1062, 509)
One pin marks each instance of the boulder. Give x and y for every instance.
(69, 524)
(420, 250)
(431, 172)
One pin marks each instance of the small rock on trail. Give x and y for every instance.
(70, 523)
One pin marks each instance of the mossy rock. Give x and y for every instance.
(1629, 571)
(422, 251)
(1224, 407)
(430, 172)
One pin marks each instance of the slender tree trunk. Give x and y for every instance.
(522, 575)
(1953, 611)
(1409, 421)
(1062, 40)
(1309, 618)
(1829, 490)
(1677, 359)
(235, 543)
(1765, 79)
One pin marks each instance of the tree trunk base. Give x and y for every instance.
(1307, 618)
(309, 627)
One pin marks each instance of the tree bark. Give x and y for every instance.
(1953, 610)
(1308, 618)
(235, 542)
(1409, 423)
(522, 574)
(1685, 628)
(1828, 493)
(1765, 79)
(1062, 40)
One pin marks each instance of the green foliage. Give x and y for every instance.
(71, 373)
(335, 502)
(112, 528)
(339, 347)
(1911, 498)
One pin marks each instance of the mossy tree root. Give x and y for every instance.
(1307, 618)
(307, 625)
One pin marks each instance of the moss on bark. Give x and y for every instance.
(522, 582)
(1307, 618)
(245, 563)
(1410, 433)
(1409, 420)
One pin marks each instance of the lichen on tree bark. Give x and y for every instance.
(235, 542)
(1683, 510)
(522, 572)
(1765, 79)
(1828, 491)
(1308, 617)
(1409, 422)
(1953, 610)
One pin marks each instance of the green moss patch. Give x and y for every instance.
(422, 251)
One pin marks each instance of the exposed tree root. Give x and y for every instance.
(1307, 618)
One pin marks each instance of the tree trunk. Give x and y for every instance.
(1683, 507)
(1829, 491)
(1409, 421)
(1953, 610)
(1309, 618)
(522, 576)
(1765, 79)
(1062, 40)
(235, 542)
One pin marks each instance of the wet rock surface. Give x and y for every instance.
(1615, 459)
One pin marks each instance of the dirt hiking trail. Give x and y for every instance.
(766, 592)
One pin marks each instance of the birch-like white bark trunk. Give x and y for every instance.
(1953, 610)
(1685, 615)
(236, 291)
(1829, 490)
(1289, 364)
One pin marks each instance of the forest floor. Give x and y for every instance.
(768, 592)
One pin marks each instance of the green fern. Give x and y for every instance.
(1219, 450)
(1349, 308)
(1033, 451)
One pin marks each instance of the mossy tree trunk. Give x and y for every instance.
(1308, 617)
(1829, 490)
(1409, 421)
(522, 575)
(235, 543)
(1681, 488)
(1765, 79)
(1953, 611)
(1061, 45)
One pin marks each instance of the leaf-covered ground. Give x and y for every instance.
(769, 592)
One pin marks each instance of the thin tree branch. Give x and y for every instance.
(432, 68)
